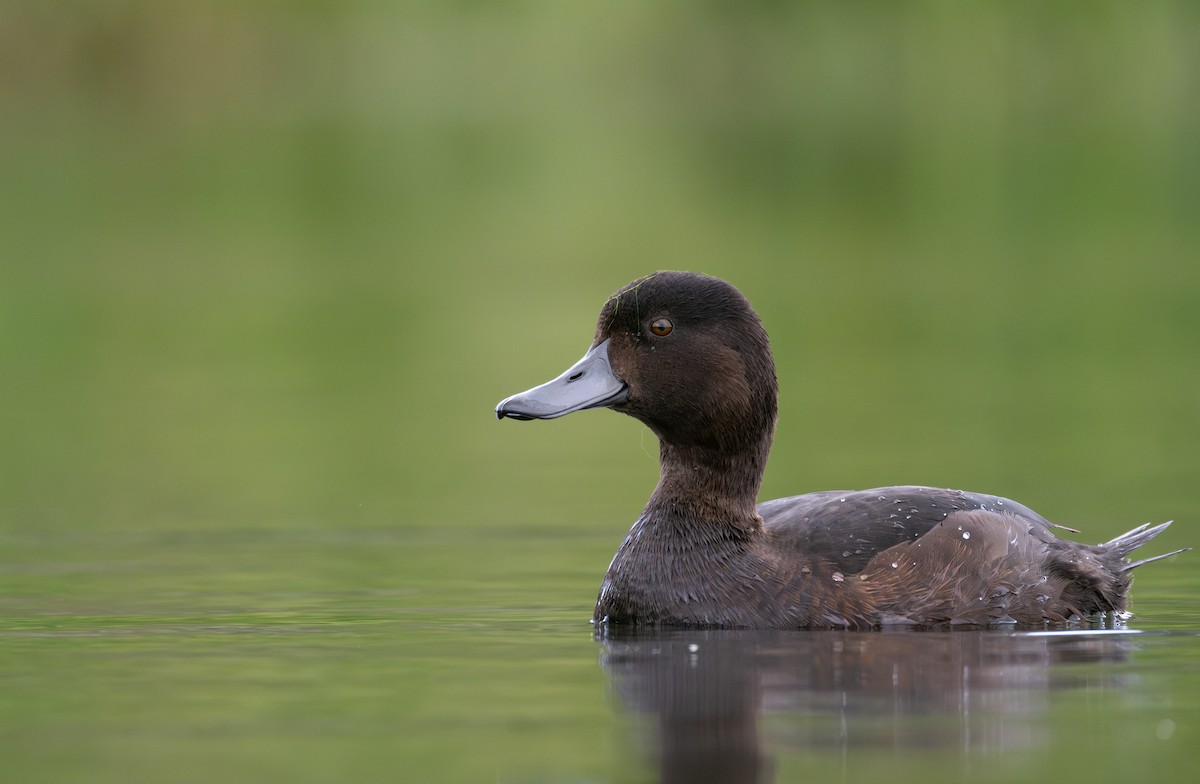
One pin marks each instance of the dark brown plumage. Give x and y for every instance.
(688, 356)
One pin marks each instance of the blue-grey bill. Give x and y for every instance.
(589, 383)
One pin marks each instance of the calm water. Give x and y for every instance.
(384, 656)
(265, 269)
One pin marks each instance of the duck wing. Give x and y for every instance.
(848, 528)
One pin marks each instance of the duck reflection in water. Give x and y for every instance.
(709, 691)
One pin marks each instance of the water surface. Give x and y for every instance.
(266, 268)
(376, 655)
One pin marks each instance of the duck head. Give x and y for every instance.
(685, 354)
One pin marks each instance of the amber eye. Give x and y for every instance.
(662, 327)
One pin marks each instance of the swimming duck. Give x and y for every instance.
(688, 356)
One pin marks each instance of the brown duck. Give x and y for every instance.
(688, 356)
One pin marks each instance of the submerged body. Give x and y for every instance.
(687, 355)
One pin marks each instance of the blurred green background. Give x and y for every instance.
(267, 267)
(271, 263)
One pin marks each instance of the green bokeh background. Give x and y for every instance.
(274, 263)
(267, 267)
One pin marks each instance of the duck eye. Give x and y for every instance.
(662, 327)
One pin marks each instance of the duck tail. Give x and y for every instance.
(1129, 541)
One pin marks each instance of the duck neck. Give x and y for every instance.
(709, 487)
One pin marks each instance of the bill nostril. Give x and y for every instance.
(575, 376)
